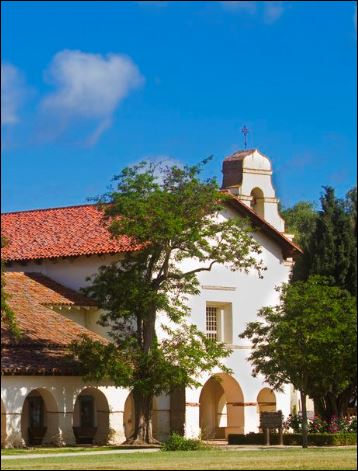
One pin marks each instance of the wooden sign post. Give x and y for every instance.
(271, 420)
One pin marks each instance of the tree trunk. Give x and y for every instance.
(143, 431)
(304, 421)
(332, 401)
(143, 400)
(331, 405)
(320, 408)
(344, 398)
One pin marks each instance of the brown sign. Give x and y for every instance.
(271, 419)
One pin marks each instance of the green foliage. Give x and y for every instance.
(7, 314)
(308, 340)
(176, 361)
(315, 439)
(351, 207)
(331, 249)
(329, 241)
(178, 443)
(300, 220)
(170, 216)
(342, 425)
(319, 425)
(294, 422)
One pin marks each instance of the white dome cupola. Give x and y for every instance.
(247, 175)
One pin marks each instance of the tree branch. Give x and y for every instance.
(191, 272)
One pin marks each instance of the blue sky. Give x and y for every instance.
(90, 87)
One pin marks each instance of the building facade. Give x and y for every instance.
(49, 256)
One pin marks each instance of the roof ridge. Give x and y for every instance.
(48, 209)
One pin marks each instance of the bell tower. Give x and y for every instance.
(247, 175)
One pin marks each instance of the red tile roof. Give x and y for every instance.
(79, 230)
(42, 347)
(34, 361)
(289, 248)
(240, 154)
(58, 232)
(44, 290)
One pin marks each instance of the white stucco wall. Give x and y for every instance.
(244, 293)
(63, 392)
(71, 272)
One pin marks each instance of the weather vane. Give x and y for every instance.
(245, 132)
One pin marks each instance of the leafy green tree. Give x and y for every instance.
(331, 248)
(300, 220)
(308, 340)
(351, 208)
(7, 314)
(171, 216)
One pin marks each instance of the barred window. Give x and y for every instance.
(211, 323)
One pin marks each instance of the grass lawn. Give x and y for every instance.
(46, 450)
(312, 458)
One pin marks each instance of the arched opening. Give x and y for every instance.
(266, 401)
(3, 425)
(221, 407)
(39, 418)
(91, 417)
(129, 418)
(257, 202)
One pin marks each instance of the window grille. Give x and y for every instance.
(36, 411)
(86, 411)
(211, 323)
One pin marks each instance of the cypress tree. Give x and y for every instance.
(331, 248)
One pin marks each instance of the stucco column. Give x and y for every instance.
(192, 413)
(252, 418)
(116, 434)
(192, 427)
(283, 401)
(116, 398)
(161, 417)
(65, 424)
(14, 436)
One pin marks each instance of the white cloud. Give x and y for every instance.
(13, 93)
(93, 138)
(272, 11)
(247, 7)
(88, 88)
(89, 85)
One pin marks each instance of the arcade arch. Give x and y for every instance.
(221, 407)
(91, 417)
(39, 418)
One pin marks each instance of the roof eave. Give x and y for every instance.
(289, 248)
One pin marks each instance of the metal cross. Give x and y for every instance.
(245, 132)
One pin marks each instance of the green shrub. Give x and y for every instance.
(345, 438)
(314, 439)
(178, 443)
